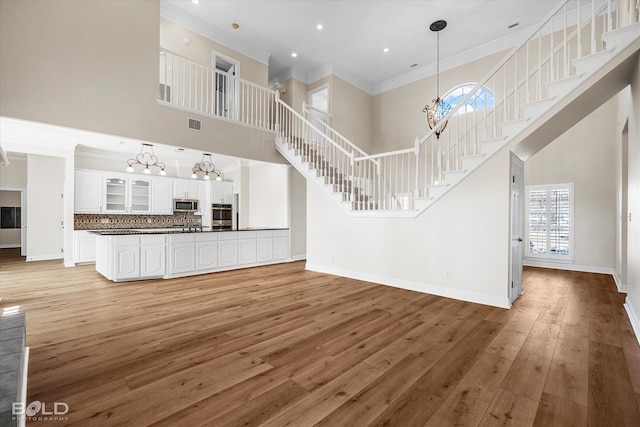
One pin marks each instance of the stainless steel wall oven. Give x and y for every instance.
(221, 216)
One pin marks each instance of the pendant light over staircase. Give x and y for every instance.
(440, 109)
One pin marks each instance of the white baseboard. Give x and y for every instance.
(415, 286)
(298, 257)
(622, 288)
(633, 318)
(44, 257)
(10, 245)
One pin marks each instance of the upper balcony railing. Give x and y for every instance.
(190, 86)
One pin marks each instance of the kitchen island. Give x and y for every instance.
(123, 255)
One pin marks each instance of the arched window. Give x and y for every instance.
(483, 98)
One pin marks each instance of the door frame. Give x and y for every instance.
(516, 227)
(233, 103)
(23, 214)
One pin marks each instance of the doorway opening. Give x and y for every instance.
(226, 87)
(13, 219)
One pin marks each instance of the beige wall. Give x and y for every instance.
(14, 175)
(351, 112)
(585, 155)
(45, 184)
(397, 116)
(200, 50)
(293, 92)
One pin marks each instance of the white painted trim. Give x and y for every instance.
(47, 257)
(622, 288)
(633, 318)
(415, 286)
(11, 245)
(338, 70)
(197, 25)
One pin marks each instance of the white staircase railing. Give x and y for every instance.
(190, 86)
(521, 83)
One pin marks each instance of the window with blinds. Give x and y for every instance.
(550, 221)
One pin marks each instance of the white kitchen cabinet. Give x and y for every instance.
(162, 196)
(247, 251)
(124, 195)
(228, 249)
(121, 258)
(84, 246)
(222, 192)
(88, 192)
(133, 257)
(188, 189)
(182, 257)
(280, 245)
(264, 246)
(126, 259)
(264, 249)
(152, 256)
(206, 251)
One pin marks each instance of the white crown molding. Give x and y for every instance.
(460, 59)
(288, 73)
(180, 17)
(333, 68)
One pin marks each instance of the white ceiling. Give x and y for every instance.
(356, 31)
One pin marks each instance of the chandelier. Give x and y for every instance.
(440, 109)
(206, 167)
(148, 159)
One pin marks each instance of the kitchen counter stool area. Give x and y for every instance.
(148, 256)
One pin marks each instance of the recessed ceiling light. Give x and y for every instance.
(293, 54)
(179, 149)
(385, 50)
(514, 25)
(413, 65)
(319, 26)
(195, 1)
(235, 25)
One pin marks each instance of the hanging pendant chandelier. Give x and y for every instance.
(206, 167)
(148, 159)
(440, 109)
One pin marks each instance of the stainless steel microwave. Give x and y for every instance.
(185, 205)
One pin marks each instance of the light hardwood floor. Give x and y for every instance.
(279, 346)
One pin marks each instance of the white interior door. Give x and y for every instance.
(517, 184)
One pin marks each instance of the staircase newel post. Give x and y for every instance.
(417, 153)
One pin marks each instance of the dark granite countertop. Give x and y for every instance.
(180, 230)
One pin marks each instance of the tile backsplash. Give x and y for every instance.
(106, 222)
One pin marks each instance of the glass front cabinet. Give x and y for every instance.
(124, 195)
